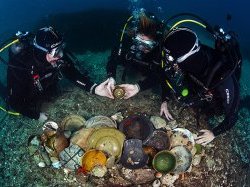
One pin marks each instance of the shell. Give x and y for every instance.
(158, 140)
(93, 158)
(164, 162)
(100, 121)
(110, 145)
(183, 159)
(73, 123)
(182, 136)
(118, 92)
(95, 140)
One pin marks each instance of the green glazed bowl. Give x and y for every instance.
(164, 161)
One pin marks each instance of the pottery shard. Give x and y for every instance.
(139, 176)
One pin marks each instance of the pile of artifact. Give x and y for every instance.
(94, 146)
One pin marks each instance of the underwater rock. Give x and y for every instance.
(99, 171)
(169, 179)
(45, 157)
(196, 160)
(210, 163)
(158, 122)
(55, 162)
(34, 141)
(32, 150)
(41, 164)
(139, 176)
(171, 125)
(117, 117)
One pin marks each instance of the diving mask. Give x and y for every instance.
(57, 51)
(143, 44)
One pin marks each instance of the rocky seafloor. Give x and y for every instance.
(225, 162)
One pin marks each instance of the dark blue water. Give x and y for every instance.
(22, 15)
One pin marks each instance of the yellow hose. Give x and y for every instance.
(187, 20)
(9, 112)
(11, 43)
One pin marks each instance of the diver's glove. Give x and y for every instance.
(102, 90)
(164, 110)
(111, 85)
(130, 90)
(205, 138)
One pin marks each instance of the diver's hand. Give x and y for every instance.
(205, 138)
(102, 90)
(111, 85)
(164, 110)
(130, 90)
(42, 118)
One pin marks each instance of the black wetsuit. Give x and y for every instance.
(31, 79)
(225, 94)
(146, 64)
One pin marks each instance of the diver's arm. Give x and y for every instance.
(229, 91)
(112, 63)
(74, 75)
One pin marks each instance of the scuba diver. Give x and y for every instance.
(139, 51)
(200, 76)
(36, 64)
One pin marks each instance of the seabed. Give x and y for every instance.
(225, 162)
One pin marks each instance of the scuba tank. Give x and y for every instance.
(226, 45)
